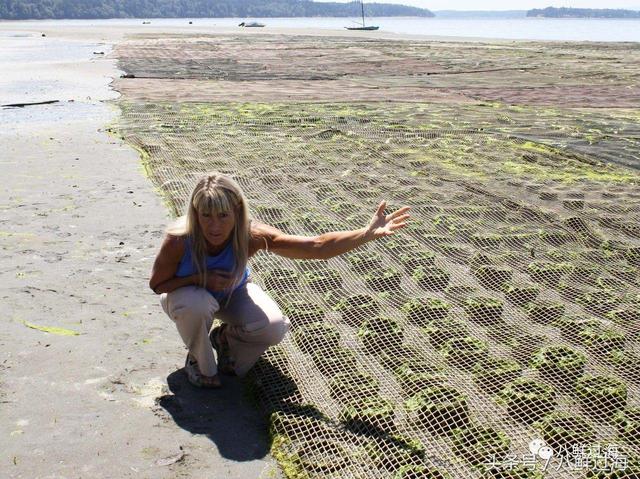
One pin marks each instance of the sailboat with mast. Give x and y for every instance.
(363, 27)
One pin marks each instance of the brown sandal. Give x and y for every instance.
(195, 377)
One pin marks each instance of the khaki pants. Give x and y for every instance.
(255, 323)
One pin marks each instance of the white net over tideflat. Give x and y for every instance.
(507, 311)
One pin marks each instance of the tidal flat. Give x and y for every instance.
(506, 311)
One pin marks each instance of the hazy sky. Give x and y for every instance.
(513, 4)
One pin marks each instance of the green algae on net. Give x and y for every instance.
(474, 153)
(494, 232)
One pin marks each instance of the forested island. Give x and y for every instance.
(92, 9)
(552, 12)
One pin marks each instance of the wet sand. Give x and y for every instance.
(80, 226)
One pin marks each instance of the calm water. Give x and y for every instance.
(505, 28)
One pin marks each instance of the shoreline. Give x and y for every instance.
(110, 32)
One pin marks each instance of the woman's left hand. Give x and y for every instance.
(385, 225)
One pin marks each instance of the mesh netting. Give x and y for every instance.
(508, 310)
(472, 66)
(565, 92)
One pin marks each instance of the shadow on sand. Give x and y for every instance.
(225, 415)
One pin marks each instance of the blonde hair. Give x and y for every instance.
(215, 193)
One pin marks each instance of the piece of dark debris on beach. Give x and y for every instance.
(22, 105)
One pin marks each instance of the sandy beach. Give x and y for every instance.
(482, 138)
(80, 227)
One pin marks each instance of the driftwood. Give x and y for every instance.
(22, 105)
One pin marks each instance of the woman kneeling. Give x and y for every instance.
(201, 273)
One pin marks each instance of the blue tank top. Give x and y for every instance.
(225, 260)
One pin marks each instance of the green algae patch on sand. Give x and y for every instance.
(463, 169)
(567, 175)
(13, 234)
(145, 160)
(290, 463)
(146, 169)
(538, 147)
(52, 329)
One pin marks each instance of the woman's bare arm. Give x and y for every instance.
(165, 266)
(331, 244)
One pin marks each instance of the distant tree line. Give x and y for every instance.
(77, 9)
(552, 12)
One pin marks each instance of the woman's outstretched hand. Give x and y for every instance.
(385, 225)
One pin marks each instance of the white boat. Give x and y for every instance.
(252, 24)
